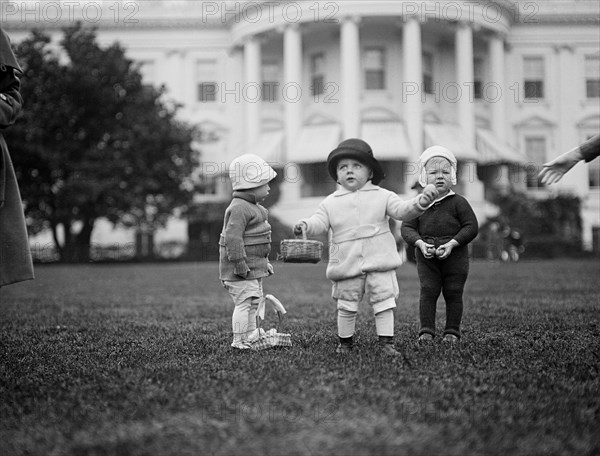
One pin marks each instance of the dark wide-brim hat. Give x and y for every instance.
(358, 150)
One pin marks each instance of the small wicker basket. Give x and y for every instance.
(301, 250)
(261, 339)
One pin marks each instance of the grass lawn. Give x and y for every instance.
(135, 360)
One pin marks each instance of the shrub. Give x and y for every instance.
(549, 228)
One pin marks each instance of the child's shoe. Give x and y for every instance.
(425, 337)
(344, 349)
(345, 346)
(386, 346)
(388, 349)
(241, 345)
(256, 334)
(450, 338)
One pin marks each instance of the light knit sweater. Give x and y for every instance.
(358, 222)
(245, 241)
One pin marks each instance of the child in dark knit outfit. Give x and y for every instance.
(441, 235)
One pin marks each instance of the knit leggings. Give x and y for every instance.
(448, 277)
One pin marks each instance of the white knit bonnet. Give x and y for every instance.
(436, 151)
(250, 171)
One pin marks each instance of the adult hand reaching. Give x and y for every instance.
(554, 170)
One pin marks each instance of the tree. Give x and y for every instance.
(548, 228)
(93, 141)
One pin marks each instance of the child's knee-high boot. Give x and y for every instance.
(384, 325)
(346, 328)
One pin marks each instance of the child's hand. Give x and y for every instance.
(241, 269)
(444, 250)
(270, 269)
(299, 228)
(428, 250)
(430, 193)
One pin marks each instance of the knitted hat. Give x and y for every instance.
(436, 151)
(358, 150)
(250, 171)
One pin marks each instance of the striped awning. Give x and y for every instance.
(452, 137)
(388, 140)
(268, 146)
(492, 150)
(314, 143)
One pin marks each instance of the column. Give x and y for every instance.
(173, 78)
(188, 83)
(292, 85)
(473, 187)
(464, 78)
(251, 90)
(412, 85)
(565, 91)
(498, 100)
(292, 97)
(350, 76)
(229, 94)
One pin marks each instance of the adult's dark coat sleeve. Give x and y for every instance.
(15, 256)
(591, 148)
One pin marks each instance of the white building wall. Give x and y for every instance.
(175, 35)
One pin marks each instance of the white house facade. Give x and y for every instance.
(506, 85)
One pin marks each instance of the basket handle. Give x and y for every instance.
(303, 235)
(277, 307)
(279, 321)
(275, 303)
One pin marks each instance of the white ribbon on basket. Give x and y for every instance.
(261, 339)
(275, 303)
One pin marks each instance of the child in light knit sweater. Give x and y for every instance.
(245, 243)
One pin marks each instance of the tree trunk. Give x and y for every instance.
(59, 248)
(144, 244)
(77, 246)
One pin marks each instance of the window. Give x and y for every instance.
(207, 92)
(317, 74)
(374, 60)
(316, 181)
(428, 72)
(402, 170)
(206, 77)
(270, 83)
(535, 149)
(478, 78)
(594, 173)
(533, 72)
(596, 239)
(592, 76)
(207, 185)
(593, 170)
